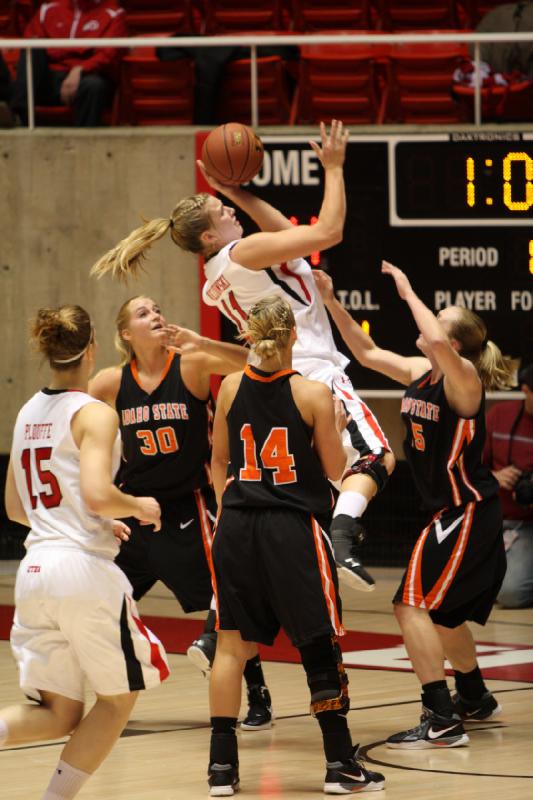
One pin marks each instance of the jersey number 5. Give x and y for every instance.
(49, 499)
(418, 436)
(274, 455)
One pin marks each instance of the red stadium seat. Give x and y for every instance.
(421, 83)
(339, 81)
(234, 16)
(274, 100)
(320, 15)
(154, 92)
(416, 14)
(6, 18)
(513, 103)
(151, 16)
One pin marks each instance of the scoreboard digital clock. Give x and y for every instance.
(454, 211)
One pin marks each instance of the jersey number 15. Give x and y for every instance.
(51, 498)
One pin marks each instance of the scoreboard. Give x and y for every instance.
(454, 211)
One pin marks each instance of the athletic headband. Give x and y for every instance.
(78, 355)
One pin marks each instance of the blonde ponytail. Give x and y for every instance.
(269, 327)
(126, 258)
(495, 370)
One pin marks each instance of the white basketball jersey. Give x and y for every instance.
(46, 465)
(234, 289)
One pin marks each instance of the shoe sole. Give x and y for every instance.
(474, 718)
(342, 788)
(264, 727)
(223, 791)
(197, 657)
(426, 744)
(354, 581)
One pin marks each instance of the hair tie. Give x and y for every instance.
(171, 223)
(77, 356)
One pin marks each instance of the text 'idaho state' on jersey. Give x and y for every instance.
(444, 449)
(272, 461)
(165, 435)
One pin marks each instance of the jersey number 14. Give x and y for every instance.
(274, 455)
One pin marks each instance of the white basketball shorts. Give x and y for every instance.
(76, 623)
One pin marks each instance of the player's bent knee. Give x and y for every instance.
(120, 703)
(326, 676)
(376, 467)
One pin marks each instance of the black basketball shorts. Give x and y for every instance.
(457, 565)
(274, 568)
(178, 554)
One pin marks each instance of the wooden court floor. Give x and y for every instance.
(163, 754)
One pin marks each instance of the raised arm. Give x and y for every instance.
(261, 250)
(94, 429)
(105, 385)
(400, 368)
(461, 381)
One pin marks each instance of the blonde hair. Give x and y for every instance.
(269, 327)
(189, 219)
(62, 335)
(124, 347)
(495, 370)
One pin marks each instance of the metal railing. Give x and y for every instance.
(255, 41)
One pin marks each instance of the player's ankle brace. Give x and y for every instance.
(223, 748)
(326, 676)
(470, 685)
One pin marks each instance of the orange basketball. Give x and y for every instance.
(232, 153)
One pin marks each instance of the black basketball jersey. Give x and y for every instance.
(443, 449)
(165, 435)
(272, 461)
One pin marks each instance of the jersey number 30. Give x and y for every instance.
(274, 455)
(51, 498)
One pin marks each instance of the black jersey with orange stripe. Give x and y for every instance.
(444, 449)
(165, 435)
(273, 463)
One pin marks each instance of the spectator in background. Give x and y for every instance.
(82, 77)
(508, 57)
(509, 454)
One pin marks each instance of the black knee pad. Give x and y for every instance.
(370, 465)
(326, 676)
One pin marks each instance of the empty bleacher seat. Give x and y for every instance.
(320, 15)
(235, 16)
(274, 101)
(152, 16)
(417, 14)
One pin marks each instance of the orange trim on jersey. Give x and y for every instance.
(424, 382)
(135, 372)
(464, 432)
(328, 585)
(207, 538)
(437, 594)
(267, 379)
(413, 594)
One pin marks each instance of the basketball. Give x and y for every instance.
(232, 153)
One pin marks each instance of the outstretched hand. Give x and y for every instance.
(332, 148)
(182, 340)
(324, 284)
(213, 182)
(401, 280)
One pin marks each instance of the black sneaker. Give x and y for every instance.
(346, 533)
(347, 777)
(433, 731)
(486, 707)
(259, 716)
(223, 779)
(202, 652)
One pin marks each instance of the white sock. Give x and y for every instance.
(66, 782)
(351, 503)
(3, 732)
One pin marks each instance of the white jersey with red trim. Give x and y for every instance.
(234, 289)
(46, 466)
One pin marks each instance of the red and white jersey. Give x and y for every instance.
(234, 289)
(46, 466)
